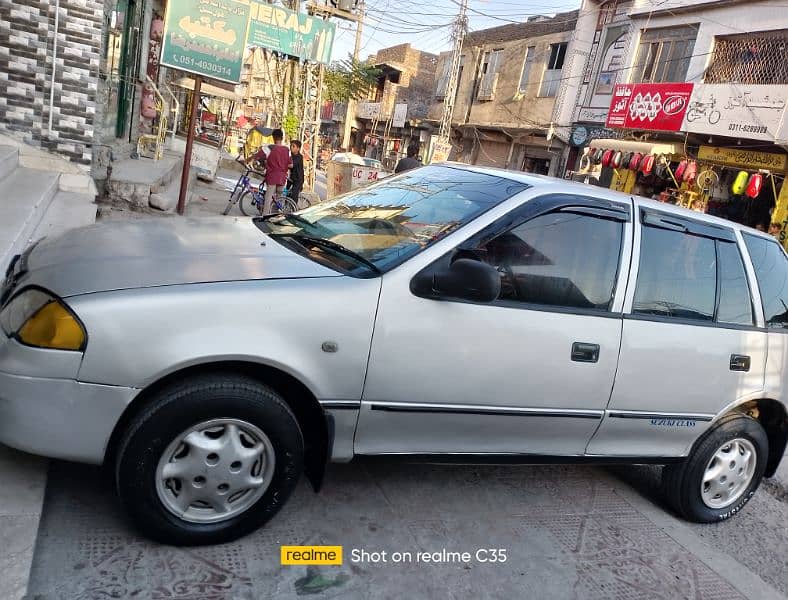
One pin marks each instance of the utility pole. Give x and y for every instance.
(458, 34)
(351, 103)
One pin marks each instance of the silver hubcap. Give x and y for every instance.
(215, 470)
(728, 473)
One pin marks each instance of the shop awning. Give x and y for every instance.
(209, 90)
(642, 147)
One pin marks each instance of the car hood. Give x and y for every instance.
(160, 251)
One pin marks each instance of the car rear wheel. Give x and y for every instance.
(210, 460)
(721, 473)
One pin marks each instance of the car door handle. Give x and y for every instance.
(582, 352)
(740, 362)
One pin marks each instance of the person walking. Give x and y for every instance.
(296, 170)
(276, 165)
(410, 161)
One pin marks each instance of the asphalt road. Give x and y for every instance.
(567, 532)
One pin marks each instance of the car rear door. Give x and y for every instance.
(691, 344)
(528, 373)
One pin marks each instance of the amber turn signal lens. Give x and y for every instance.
(53, 327)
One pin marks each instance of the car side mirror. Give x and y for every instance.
(465, 279)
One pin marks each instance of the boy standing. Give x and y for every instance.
(276, 165)
(296, 170)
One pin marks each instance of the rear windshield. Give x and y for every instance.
(388, 222)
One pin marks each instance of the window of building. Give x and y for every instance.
(552, 74)
(771, 271)
(664, 54)
(490, 67)
(559, 259)
(752, 58)
(443, 79)
(528, 62)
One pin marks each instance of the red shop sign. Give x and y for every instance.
(653, 106)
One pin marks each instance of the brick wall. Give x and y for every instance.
(26, 47)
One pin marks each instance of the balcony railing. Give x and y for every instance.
(755, 58)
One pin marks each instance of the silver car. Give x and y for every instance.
(454, 312)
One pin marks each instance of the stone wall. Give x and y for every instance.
(26, 47)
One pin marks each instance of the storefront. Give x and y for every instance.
(741, 178)
(216, 119)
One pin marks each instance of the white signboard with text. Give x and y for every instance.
(400, 114)
(368, 110)
(752, 112)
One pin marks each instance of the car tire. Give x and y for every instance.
(730, 458)
(231, 422)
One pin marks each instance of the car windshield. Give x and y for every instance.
(387, 223)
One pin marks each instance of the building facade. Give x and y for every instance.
(49, 59)
(394, 114)
(705, 82)
(507, 93)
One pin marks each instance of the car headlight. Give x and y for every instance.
(38, 319)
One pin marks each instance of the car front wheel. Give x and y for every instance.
(210, 460)
(721, 473)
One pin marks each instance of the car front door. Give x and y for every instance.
(530, 372)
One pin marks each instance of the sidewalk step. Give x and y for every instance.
(9, 160)
(25, 195)
(67, 211)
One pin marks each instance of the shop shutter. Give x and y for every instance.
(493, 154)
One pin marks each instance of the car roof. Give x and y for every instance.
(555, 184)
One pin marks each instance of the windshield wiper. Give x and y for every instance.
(324, 243)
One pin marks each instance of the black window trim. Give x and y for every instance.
(598, 208)
(661, 220)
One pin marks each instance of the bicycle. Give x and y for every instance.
(251, 199)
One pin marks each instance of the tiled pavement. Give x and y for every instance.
(570, 532)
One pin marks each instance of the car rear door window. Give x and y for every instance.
(771, 271)
(735, 306)
(558, 259)
(677, 275)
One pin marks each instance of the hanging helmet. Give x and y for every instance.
(740, 183)
(634, 163)
(690, 172)
(754, 185)
(647, 164)
(607, 156)
(661, 167)
(616, 160)
(679, 174)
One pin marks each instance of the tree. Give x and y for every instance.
(349, 79)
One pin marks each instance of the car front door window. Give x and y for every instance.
(559, 259)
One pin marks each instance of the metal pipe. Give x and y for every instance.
(176, 110)
(187, 157)
(54, 66)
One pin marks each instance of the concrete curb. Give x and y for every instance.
(21, 502)
(736, 574)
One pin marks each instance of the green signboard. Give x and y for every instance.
(206, 37)
(291, 33)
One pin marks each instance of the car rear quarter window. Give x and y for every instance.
(735, 305)
(677, 275)
(771, 271)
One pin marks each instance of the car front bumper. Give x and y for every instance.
(45, 410)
